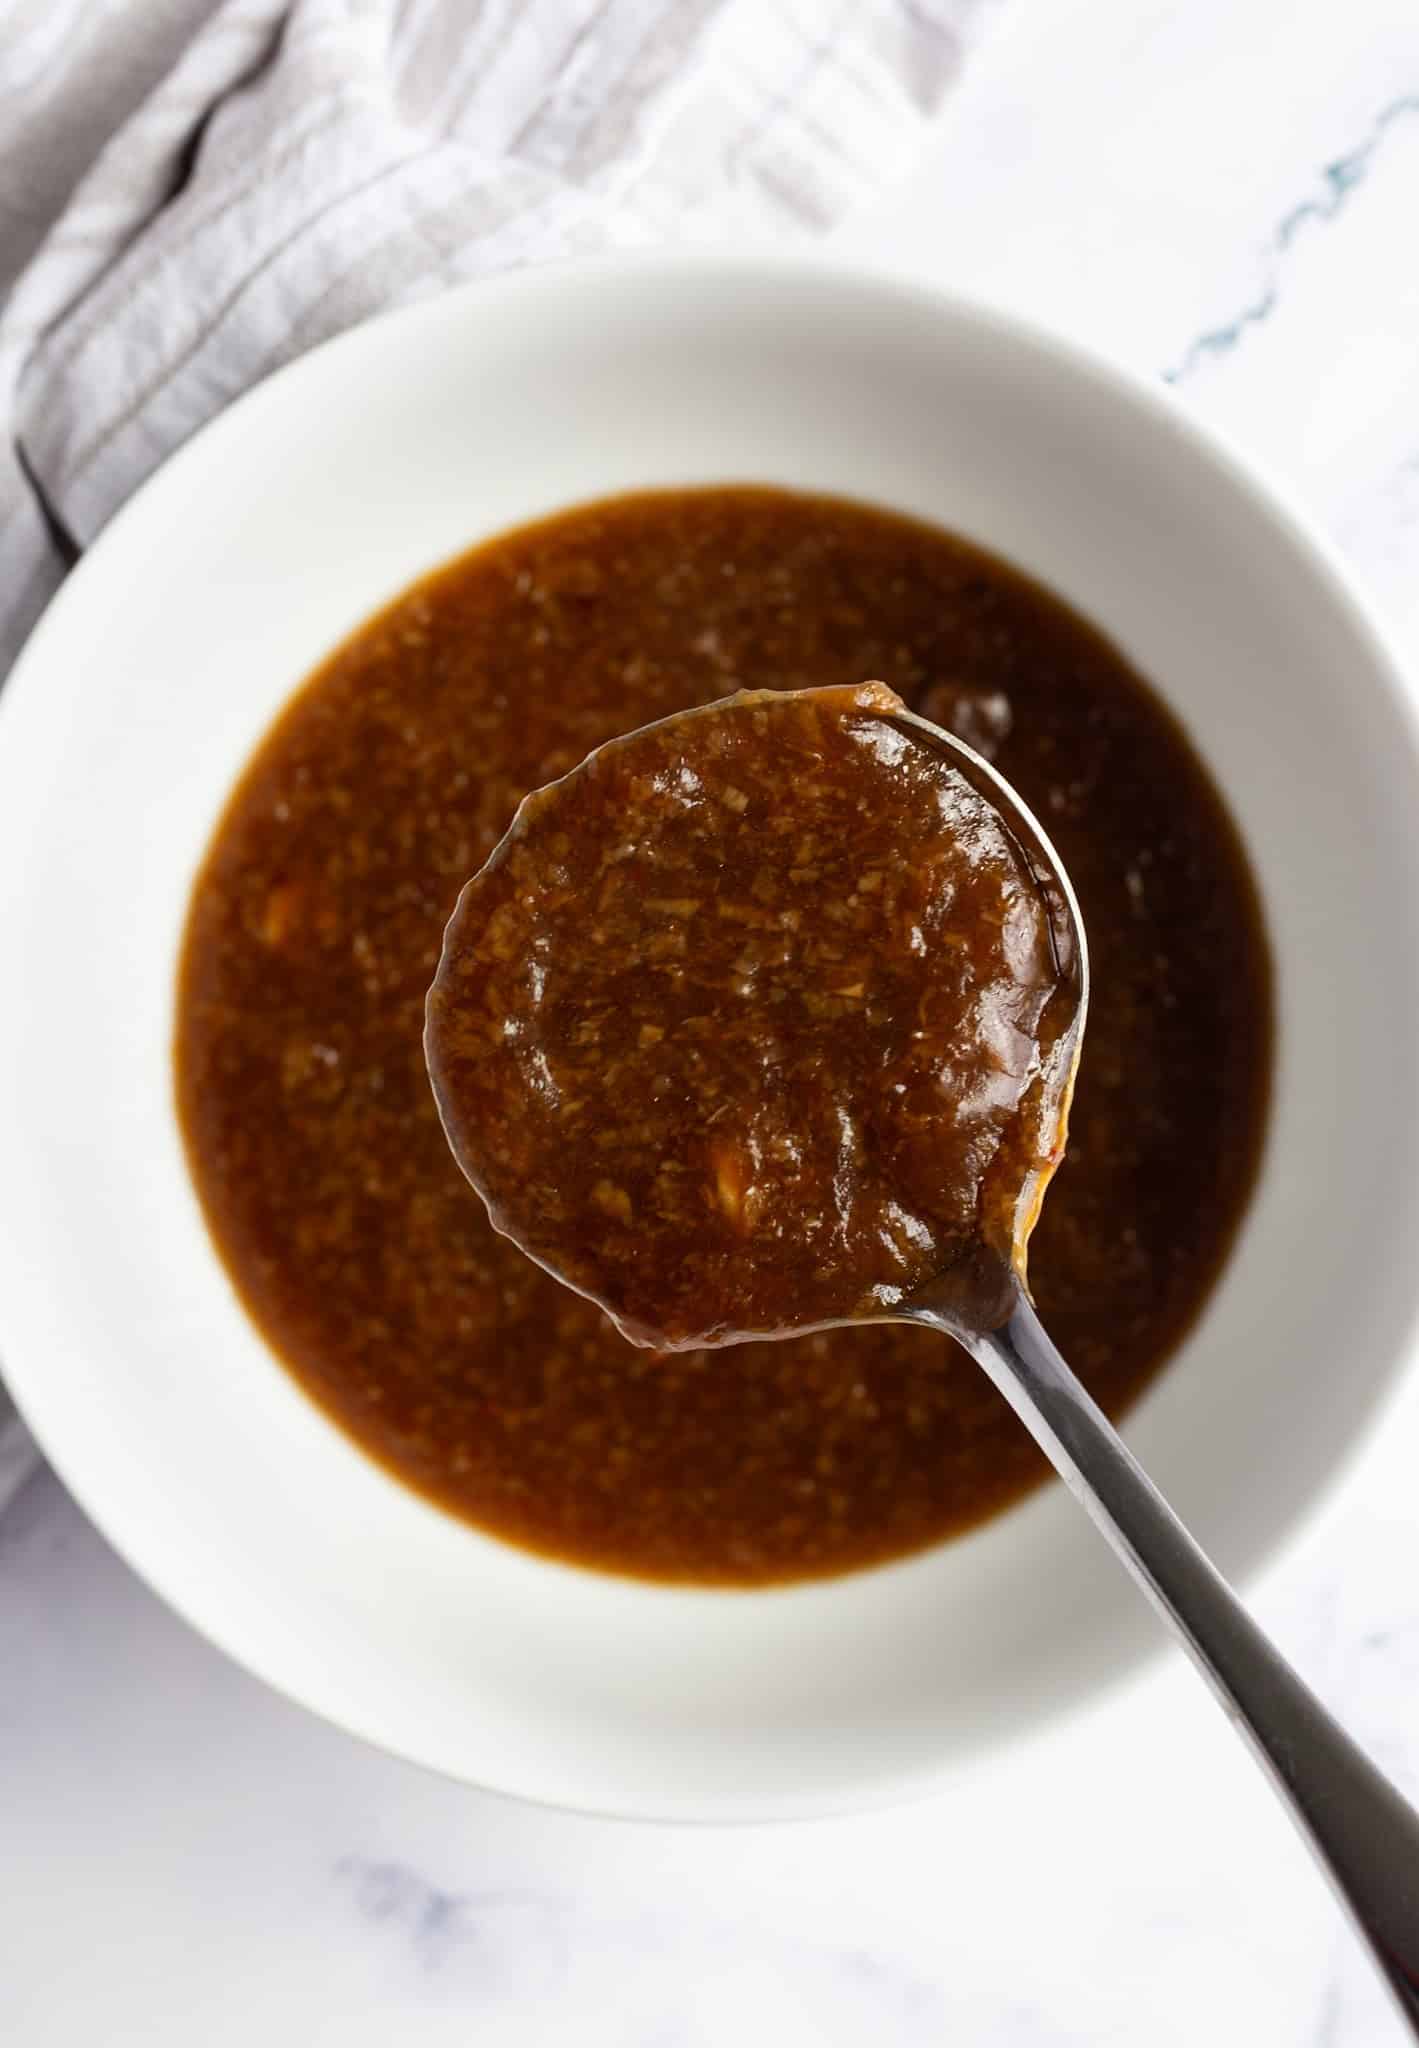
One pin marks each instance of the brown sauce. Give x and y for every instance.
(313, 1137)
(752, 1024)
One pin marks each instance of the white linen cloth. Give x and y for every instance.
(194, 191)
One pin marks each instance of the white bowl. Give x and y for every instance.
(158, 669)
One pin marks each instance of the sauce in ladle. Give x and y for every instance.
(759, 1021)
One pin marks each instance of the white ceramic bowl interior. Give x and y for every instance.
(159, 668)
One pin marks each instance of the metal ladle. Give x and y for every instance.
(1363, 1833)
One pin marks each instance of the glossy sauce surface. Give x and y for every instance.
(752, 1024)
(316, 921)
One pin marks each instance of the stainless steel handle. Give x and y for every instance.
(1365, 1835)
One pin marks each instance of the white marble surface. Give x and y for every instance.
(1224, 194)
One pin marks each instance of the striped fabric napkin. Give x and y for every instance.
(194, 191)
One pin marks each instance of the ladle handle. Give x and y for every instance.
(1365, 1835)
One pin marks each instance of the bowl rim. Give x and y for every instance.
(886, 283)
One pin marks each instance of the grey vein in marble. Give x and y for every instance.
(508, 1945)
(1339, 179)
